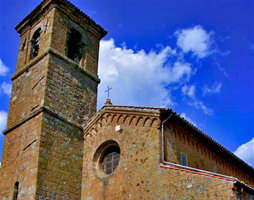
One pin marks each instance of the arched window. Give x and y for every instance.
(110, 159)
(16, 191)
(75, 45)
(35, 43)
(107, 157)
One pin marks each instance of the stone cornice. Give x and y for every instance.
(88, 26)
(29, 65)
(65, 5)
(27, 24)
(51, 51)
(34, 13)
(132, 118)
(37, 112)
(74, 64)
(62, 118)
(32, 115)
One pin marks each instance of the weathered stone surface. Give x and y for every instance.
(20, 160)
(140, 174)
(200, 154)
(69, 92)
(54, 147)
(28, 92)
(60, 160)
(52, 97)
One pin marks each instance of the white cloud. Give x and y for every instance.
(142, 78)
(196, 40)
(180, 72)
(215, 88)
(199, 105)
(3, 121)
(221, 69)
(6, 88)
(190, 91)
(185, 116)
(246, 152)
(139, 77)
(3, 68)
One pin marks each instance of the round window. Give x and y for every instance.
(109, 159)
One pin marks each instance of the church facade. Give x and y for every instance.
(57, 146)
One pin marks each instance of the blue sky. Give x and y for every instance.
(194, 56)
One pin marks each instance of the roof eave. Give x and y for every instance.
(36, 10)
(213, 142)
(46, 3)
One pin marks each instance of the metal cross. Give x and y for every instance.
(108, 90)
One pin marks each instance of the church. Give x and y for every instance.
(58, 147)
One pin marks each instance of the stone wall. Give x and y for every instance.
(245, 196)
(20, 160)
(28, 92)
(181, 185)
(51, 97)
(139, 145)
(46, 24)
(69, 92)
(139, 174)
(64, 21)
(60, 159)
(199, 154)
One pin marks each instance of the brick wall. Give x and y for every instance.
(51, 97)
(60, 160)
(139, 174)
(20, 160)
(28, 92)
(62, 25)
(46, 25)
(69, 92)
(200, 155)
(139, 151)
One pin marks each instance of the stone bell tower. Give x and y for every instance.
(54, 93)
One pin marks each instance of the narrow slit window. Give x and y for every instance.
(215, 168)
(184, 160)
(16, 191)
(35, 43)
(23, 45)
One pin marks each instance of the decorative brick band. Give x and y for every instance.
(238, 183)
(199, 172)
(37, 112)
(129, 119)
(55, 53)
